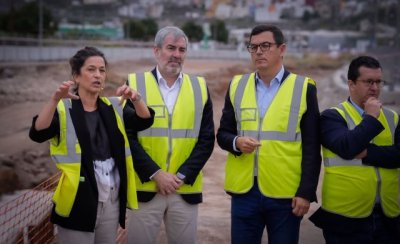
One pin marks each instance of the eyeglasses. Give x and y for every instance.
(264, 46)
(369, 83)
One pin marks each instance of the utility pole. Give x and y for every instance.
(398, 26)
(40, 32)
(375, 9)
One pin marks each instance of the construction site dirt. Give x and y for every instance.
(24, 88)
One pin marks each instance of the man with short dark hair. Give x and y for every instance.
(361, 149)
(270, 128)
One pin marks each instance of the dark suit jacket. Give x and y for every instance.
(346, 143)
(145, 167)
(84, 210)
(311, 161)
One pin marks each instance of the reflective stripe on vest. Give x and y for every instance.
(174, 133)
(277, 162)
(117, 107)
(71, 135)
(172, 137)
(290, 134)
(365, 184)
(67, 154)
(71, 140)
(388, 115)
(390, 119)
(338, 161)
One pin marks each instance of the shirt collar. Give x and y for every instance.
(358, 108)
(278, 77)
(161, 79)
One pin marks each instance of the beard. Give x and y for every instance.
(174, 68)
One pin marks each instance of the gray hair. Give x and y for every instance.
(169, 30)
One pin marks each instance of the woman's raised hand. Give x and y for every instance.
(63, 91)
(127, 93)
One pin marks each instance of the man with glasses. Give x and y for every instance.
(270, 128)
(361, 150)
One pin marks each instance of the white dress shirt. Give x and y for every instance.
(169, 94)
(107, 178)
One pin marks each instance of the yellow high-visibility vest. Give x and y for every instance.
(349, 187)
(66, 152)
(277, 162)
(171, 138)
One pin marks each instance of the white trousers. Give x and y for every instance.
(105, 229)
(180, 220)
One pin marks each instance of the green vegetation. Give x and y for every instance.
(25, 21)
(193, 31)
(143, 30)
(219, 31)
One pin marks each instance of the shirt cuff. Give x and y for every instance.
(234, 145)
(152, 176)
(180, 176)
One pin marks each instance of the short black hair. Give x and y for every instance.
(276, 32)
(361, 61)
(76, 62)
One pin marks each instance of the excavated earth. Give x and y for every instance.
(24, 88)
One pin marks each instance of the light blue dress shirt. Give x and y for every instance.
(265, 94)
(358, 108)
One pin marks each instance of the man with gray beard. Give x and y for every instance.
(172, 153)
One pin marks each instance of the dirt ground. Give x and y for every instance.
(23, 164)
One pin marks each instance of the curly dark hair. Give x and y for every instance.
(77, 61)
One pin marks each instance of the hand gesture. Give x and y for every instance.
(247, 144)
(63, 91)
(127, 93)
(46, 115)
(372, 106)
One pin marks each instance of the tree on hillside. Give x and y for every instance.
(25, 20)
(151, 28)
(143, 30)
(193, 31)
(219, 31)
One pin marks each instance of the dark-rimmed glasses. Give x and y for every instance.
(369, 82)
(264, 46)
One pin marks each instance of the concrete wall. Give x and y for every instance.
(53, 53)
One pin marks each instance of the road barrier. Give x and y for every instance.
(26, 219)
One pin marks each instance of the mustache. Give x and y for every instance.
(178, 60)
